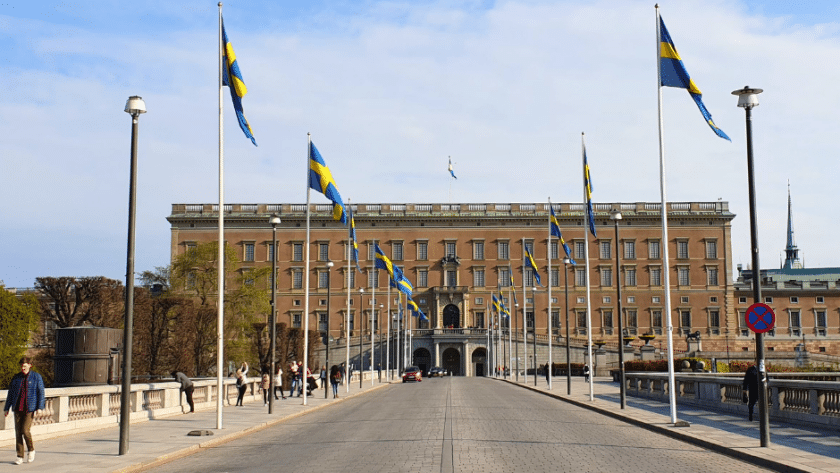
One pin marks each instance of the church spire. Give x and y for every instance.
(791, 251)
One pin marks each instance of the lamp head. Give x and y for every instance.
(615, 214)
(330, 264)
(135, 106)
(567, 260)
(747, 97)
(274, 220)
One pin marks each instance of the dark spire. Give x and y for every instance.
(791, 251)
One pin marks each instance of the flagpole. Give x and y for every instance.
(550, 316)
(220, 328)
(388, 338)
(524, 321)
(349, 290)
(489, 324)
(372, 312)
(586, 278)
(663, 210)
(304, 377)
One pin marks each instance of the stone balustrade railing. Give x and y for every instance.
(792, 400)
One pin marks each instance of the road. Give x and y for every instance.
(455, 424)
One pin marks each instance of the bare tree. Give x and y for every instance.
(70, 302)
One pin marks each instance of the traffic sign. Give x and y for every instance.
(760, 318)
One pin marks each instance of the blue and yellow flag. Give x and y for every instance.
(402, 283)
(513, 285)
(415, 309)
(496, 306)
(554, 228)
(529, 260)
(322, 181)
(398, 279)
(232, 79)
(587, 187)
(353, 238)
(672, 73)
(381, 261)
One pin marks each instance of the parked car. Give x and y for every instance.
(412, 373)
(437, 371)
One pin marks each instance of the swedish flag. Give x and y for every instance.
(530, 261)
(322, 181)
(353, 238)
(232, 79)
(415, 309)
(554, 228)
(672, 73)
(587, 187)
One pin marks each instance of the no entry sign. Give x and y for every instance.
(760, 318)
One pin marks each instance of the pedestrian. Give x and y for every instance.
(335, 378)
(265, 385)
(25, 397)
(293, 375)
(750, 387)
(241, 382)
(278, 383)
(379, 371)
(586, 373)
(187, 388)
(547, 374)
(323, 377)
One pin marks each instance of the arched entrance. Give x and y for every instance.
(479, 361)
(451, 317)
(452, 361)
(423, 360)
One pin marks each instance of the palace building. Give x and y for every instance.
(457, 255)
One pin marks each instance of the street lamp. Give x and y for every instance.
(379, 336)
(747, 99)
(134, 107)
(566, 262)
(615, 216)
(359, 331)
(330, 265)
(274, 221)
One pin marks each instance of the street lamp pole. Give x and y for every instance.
(134, 106)
(534, 305)
(330, 265)
(615, 216)
(379, 337)
(566, 262)
(274, 221)
(359, 331)
(747, 99)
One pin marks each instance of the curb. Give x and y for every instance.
(669, 431)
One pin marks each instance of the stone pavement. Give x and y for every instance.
(792, 447)
(160, 440)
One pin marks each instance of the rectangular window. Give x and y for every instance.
(581, 300)
(371, 251)
(580, 250)
(297, 251)
(714, 319)
(352, 278)
(580, 277)
(604, 249)
(682, 249)
(820, 300)
(373, 278)
(606, 276)
(529, 277)
(656, 321)
(555, 277)
(653, 249)
(422, 278)
(794, 300)
(581, 322)
(479, 319)
(712, 274)
(450, 249)
(629, 250)
(555, 253)
(478, 250)
(555, 320)
(478, 278)
(655, 276)
(685, 321)
(504, 277)
(711, 249)
(451, 278)
(479, 300)
(504, 250)
(655, 299)
(631, 299)
(323, 251)
(821, 322)
(683, 299)
(295, 321)
(768, 300)
(322, 322)
(632, 321)
(422, 251)
(795, 323)
(352, 322)
(297, 279)
(682, 276)
(629, 276)
(247, 276)
(742, 300)
(606, 299)
(397, 251)
(608, 321)
(529, 244)
(271, 252)
(322, 279)
(249, 252)
(529, 319)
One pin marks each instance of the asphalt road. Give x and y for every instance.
(455, 425)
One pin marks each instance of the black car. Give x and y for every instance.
(437, 371)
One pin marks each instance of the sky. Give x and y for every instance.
(391, 89)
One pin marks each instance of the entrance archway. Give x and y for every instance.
(452, 361)
(423, 360)
(451, 316)
(479, 361)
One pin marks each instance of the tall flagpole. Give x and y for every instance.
(220, 284)
(550, 316)
(663, 210)
(524, 321)
(349, 290)
(388, 338)
(510, 332)
(304, 376)
(489, 328)
(586, 277)
(372, 313)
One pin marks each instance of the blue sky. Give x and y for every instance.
(389, 90)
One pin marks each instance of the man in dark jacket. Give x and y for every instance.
(25, 397)
(187, 387)
(751, 386)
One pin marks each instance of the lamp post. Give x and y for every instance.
(747, 99)
(566, 262)
(615, 216)
(330, 265)
(134, 106)
(379, 336)
(359, 331)
(274, 221)
(534, 308)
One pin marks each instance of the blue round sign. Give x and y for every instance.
(760, 318)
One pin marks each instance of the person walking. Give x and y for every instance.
(586, 373)
(750, 387)
(293, 375)
(335, 379)
(25, 397)
(547, 374)
(265, 385)
(278, 383)
(241, 382)
(187, 388)
(323, 377)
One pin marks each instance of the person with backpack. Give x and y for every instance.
(335, 379)
(241, 382)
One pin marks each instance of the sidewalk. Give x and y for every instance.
(792, 447)
(163, 439)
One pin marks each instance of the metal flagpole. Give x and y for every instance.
(663, 210)
(349, 289)
(220, 327)
(550, 315)
(388, 338)
(586, 276)
(489, 328)
(372, 312)
(304, 376)
(524, 321)
(512, 318)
